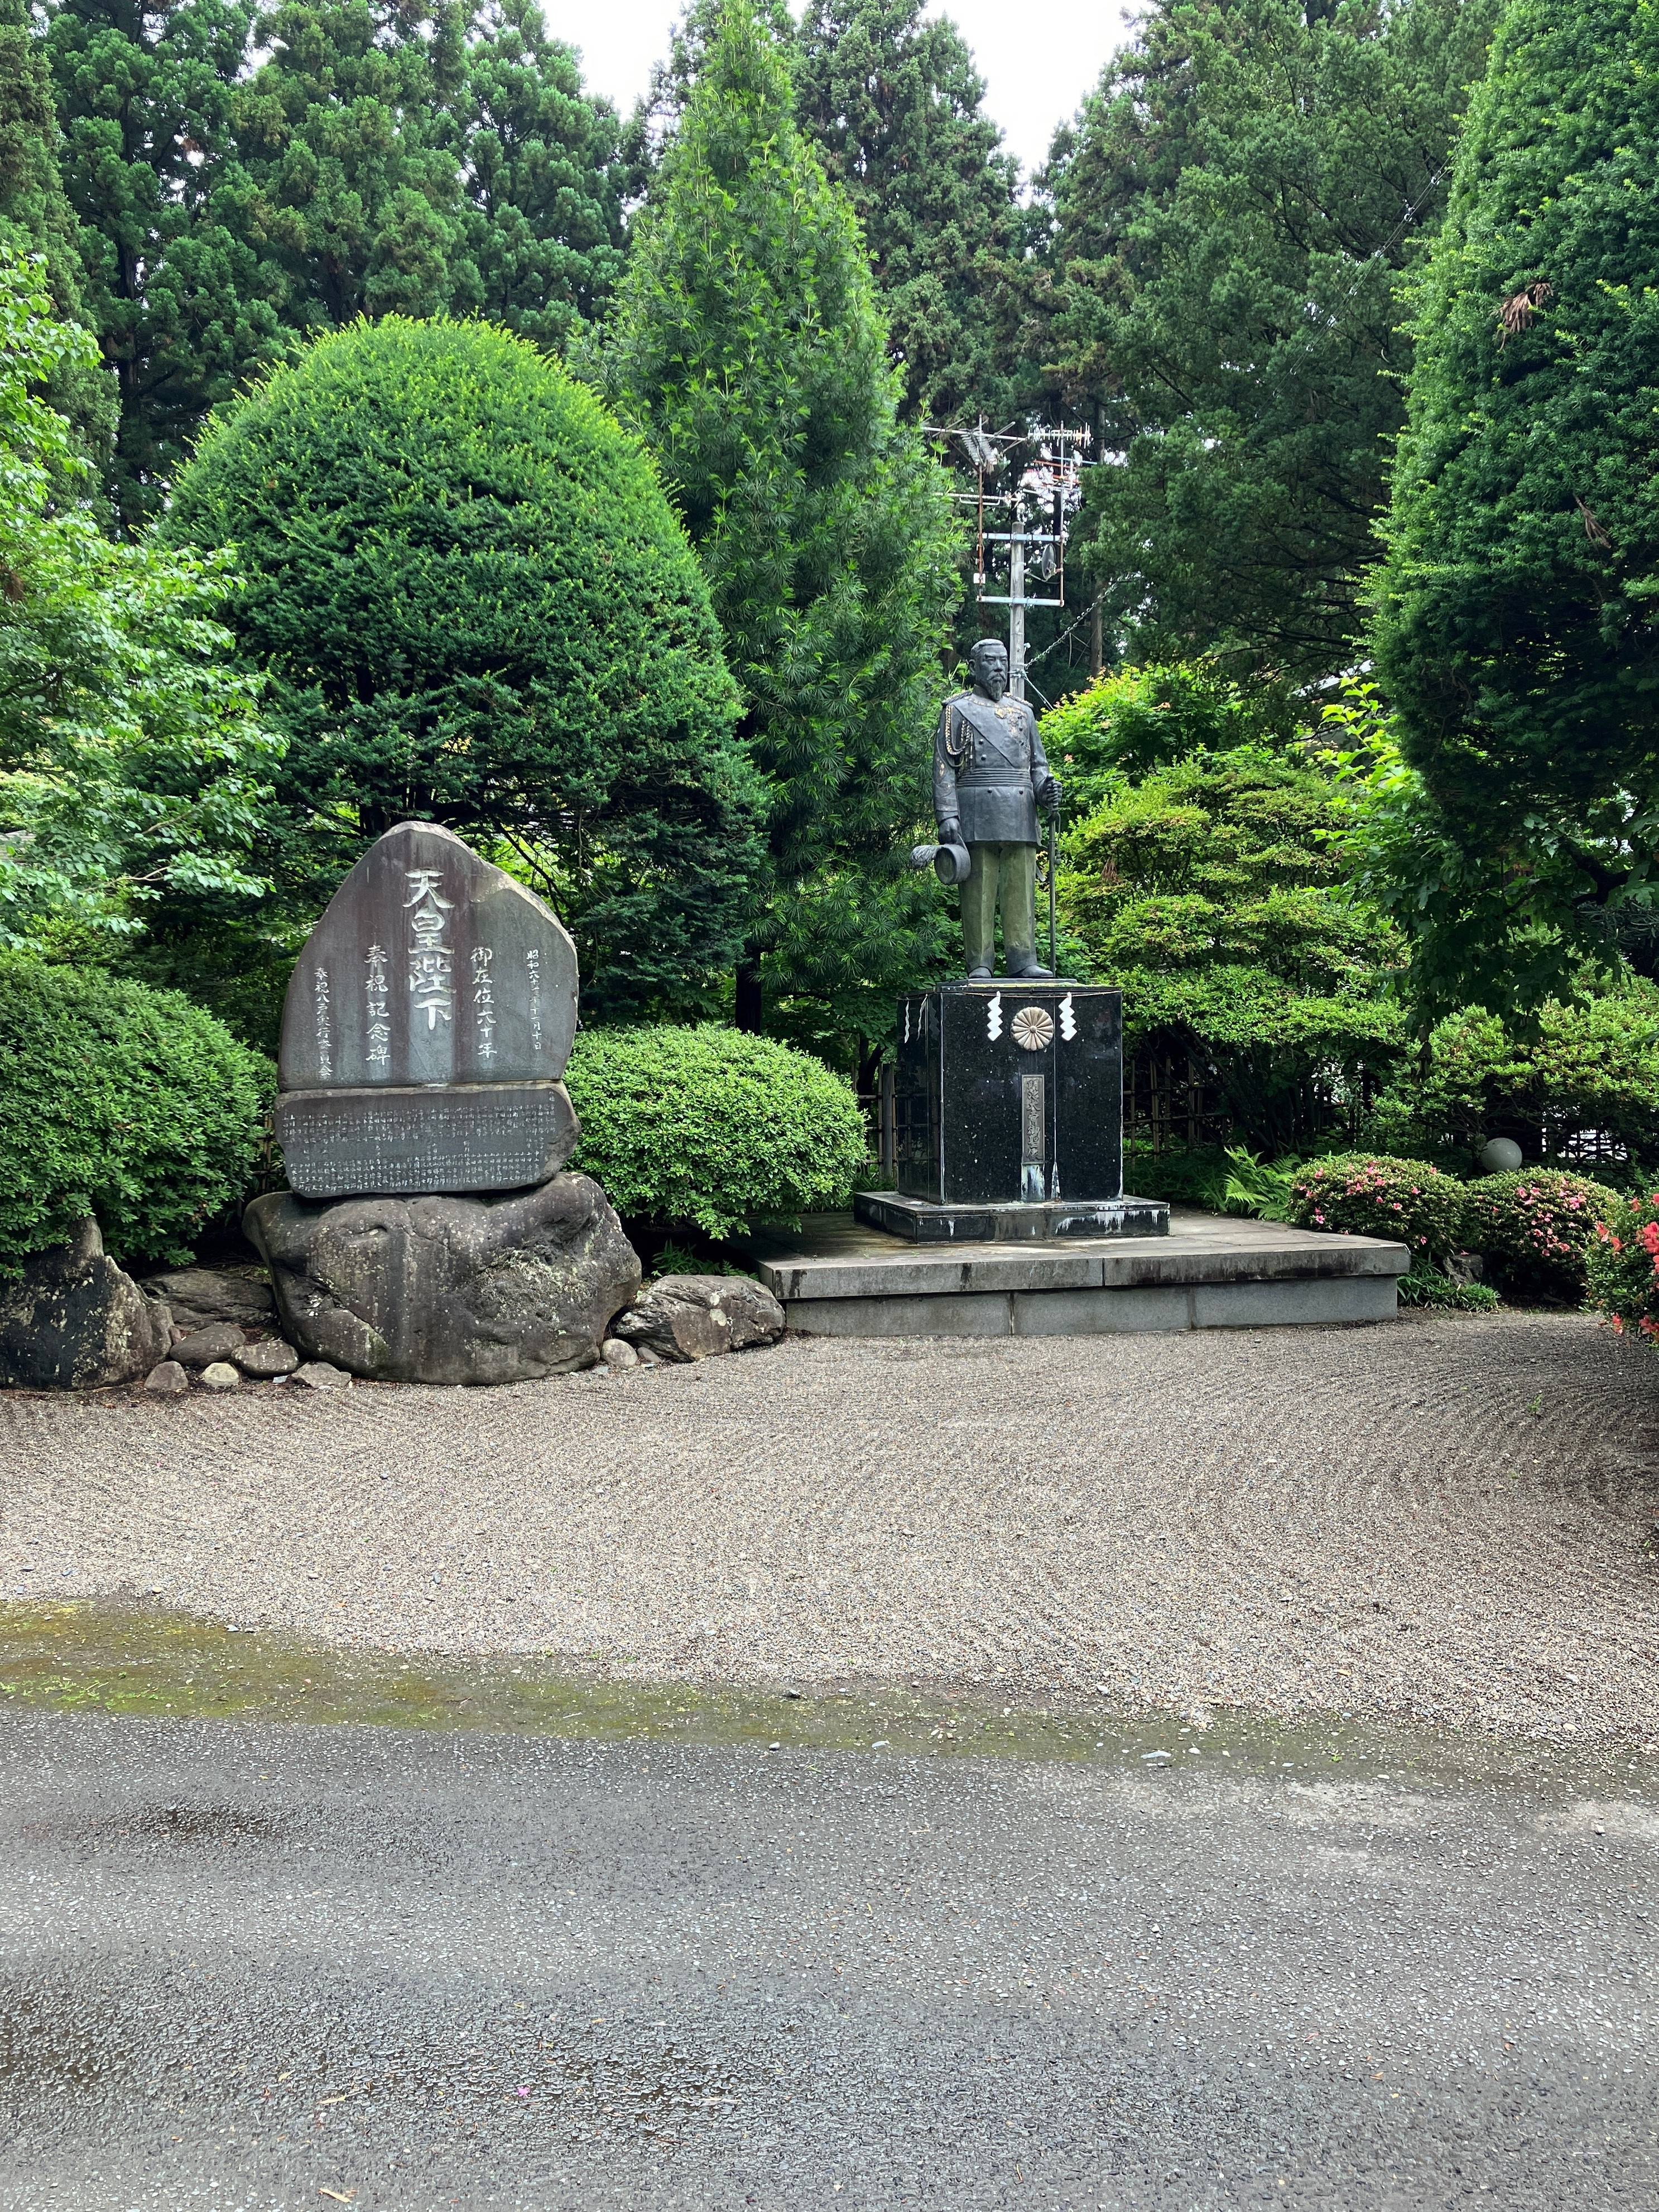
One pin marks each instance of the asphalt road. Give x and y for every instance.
(264, 1966)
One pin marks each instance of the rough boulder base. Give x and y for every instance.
(73, 1320)
(448, 1289)
(197, 1296)
(693, 1316)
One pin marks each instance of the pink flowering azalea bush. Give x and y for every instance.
(1535, 1229)
(1621, 1265)
(1371, 1194)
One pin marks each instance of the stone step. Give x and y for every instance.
(838, 1277)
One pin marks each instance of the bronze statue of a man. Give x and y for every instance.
(990, 776)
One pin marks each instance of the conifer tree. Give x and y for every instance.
(381, 158)
(750, 349)
(892, 101)
(1515, 633)
(542, 177)
(175, 289)
(1232, 217)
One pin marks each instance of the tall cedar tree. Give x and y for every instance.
(892, 103)
(542, 179)
(175, 288)
(1517, 620)
(338, 135)
(36, 217)
(1232, 218)
(750, 349)
(380, 158)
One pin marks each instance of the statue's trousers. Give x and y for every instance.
(1005, 876)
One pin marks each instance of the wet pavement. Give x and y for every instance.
(539, 1950)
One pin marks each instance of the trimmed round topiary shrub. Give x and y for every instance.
(475, 606)
(1621, 1265)
(712, 1128)
(125, 1104)
(1534, 1228)
(1373, 1195)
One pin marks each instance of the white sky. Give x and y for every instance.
(1038, 58)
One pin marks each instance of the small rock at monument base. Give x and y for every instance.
(219, 1374)
(684, 1317)
(317, 1375)
(616, 1352)
(219, 1340)
(267, 1359)
(167, 1379)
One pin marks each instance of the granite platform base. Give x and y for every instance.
(840, 1277)
(921, 1222)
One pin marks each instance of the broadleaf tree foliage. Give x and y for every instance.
(134, 767)
(750, 350)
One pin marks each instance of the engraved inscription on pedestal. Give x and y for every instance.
(1034, 1132)
(497, 1136)
(427, 1025)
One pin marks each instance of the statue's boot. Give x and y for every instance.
(979, 974)
(1032, 972)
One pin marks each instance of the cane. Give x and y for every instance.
(1053, 963)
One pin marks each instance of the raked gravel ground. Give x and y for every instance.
(1450, 1519)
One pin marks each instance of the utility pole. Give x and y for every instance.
(1017, 605)
(1097, 613)
(1051, 484)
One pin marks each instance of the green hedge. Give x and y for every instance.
(1595, 1066)
(127, 1103)
(711, 1128)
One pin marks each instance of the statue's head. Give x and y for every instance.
(989, 660)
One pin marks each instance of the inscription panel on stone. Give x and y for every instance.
(404, 1142)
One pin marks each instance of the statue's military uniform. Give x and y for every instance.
(988, 767)
(988, 770)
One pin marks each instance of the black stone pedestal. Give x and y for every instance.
(1009, 1116)
(926, 1224)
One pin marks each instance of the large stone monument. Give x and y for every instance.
(428, 1235)
(426, 1029)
